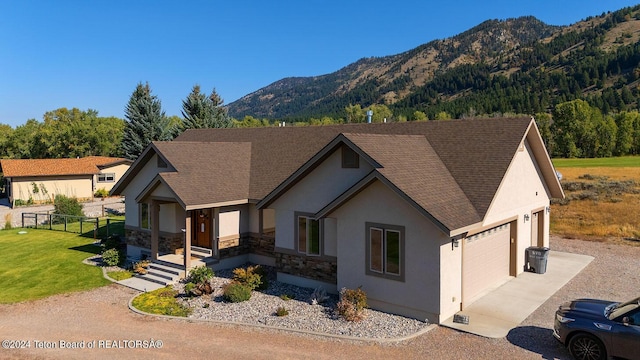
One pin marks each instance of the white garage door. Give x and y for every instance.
(485, 261)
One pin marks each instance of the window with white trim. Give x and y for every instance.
(385, 251)
(308, 235)
(106, 177)
(145, 218)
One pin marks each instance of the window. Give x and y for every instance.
(106, 177)
(308, 235)
(385, 251)
(145, 222)
(350, 158)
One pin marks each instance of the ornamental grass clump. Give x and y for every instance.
(352, 304)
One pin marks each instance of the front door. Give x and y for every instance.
(202, 228)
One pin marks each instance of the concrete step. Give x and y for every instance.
(163, 272)
(200, 252)
(155, 279)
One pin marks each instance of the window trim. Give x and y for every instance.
(140, 216)
(309, 217)
(106, 177)
(385, 229)
(350, 162)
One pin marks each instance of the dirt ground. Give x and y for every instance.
(100, 322)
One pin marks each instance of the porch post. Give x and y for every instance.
(187, 242)
(155, 228)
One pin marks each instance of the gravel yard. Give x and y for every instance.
(101, 315)
(303, 316)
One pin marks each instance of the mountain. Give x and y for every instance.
(516, 65)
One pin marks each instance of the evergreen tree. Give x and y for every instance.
(202, 111)
(145, 122)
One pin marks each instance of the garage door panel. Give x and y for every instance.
(485, 261)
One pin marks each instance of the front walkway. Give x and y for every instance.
(503, 309)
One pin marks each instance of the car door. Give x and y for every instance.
(625, 340)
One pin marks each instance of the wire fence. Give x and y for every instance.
(92, 227)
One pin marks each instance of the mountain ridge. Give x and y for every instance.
(500, 45)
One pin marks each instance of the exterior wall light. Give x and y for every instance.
(455, 242)
(548, 209)
(526, 217)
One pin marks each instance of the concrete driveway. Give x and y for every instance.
(495, 314)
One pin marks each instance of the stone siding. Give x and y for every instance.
(308, 266)
(167, 243)
(262, 245)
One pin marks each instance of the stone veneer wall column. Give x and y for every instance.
(167, 245)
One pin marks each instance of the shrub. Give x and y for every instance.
(111, 257)
(281, 311)
(188, 288)
(236, 292)
(7, 221)
(200, 274)
(101, 193)
(250, 277)
(63, 205)
(352, 303)
(200, 277)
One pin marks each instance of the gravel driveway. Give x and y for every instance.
(91, 209)
(100, 318)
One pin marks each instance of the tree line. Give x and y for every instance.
(574, 128)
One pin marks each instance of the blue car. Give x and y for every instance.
(598, 329)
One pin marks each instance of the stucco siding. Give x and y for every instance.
(80, 187)
(522, 192)
(117, 170)
(419, 294)
(135, 187)
(450, 278)
(233, 220)
(284, 229)
(322, 185)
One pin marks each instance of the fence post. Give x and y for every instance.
(108, 223)
(22, 215)
(50, 220)
(65, 223)
(81, 221)
(36, 225)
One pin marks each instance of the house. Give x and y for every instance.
(40, 180)
(425, 216)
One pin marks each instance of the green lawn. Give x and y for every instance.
(42, 263)
(625, 161)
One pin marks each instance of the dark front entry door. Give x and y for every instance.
(202, 229)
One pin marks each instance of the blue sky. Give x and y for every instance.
(91, 54)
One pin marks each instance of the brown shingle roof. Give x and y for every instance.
(207, 173)
(240, 163)
(55, 167)
(424, 178)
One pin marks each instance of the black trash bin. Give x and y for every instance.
(537, 259)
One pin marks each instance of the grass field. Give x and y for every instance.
(604, 199)
(615, 162)
(42, 263)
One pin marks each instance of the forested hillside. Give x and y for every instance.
(518, 66)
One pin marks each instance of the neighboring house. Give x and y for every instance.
(40, 180)
(425, 216)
